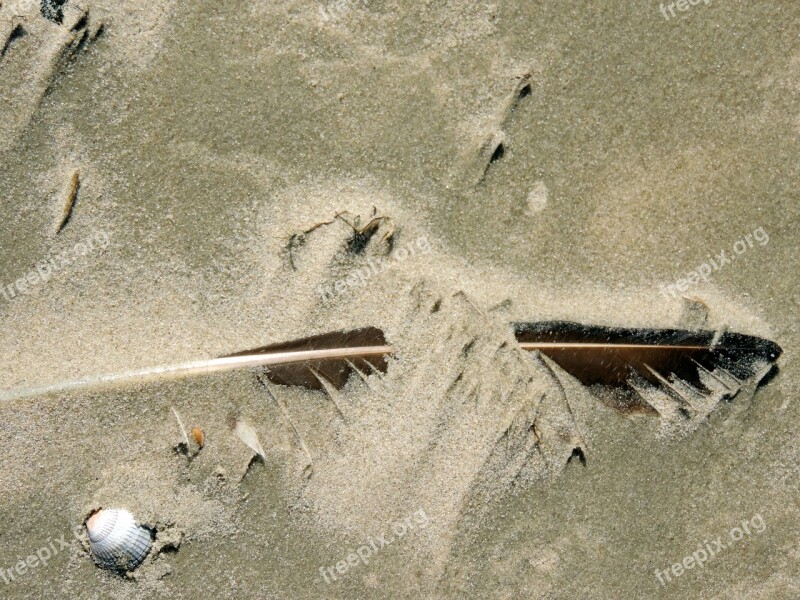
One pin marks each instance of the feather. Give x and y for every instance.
(328, 358)
(247, 434)
(680, 362)
(592, 354)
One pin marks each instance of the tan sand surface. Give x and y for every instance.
(527, 161)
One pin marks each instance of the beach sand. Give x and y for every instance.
(525, 162)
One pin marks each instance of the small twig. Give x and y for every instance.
(72, 194)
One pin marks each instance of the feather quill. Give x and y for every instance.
(592, 354)
(331, 355)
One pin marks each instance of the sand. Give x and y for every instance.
(527, 162)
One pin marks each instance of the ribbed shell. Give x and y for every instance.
(116, 541)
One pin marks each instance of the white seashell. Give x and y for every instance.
(116, 541)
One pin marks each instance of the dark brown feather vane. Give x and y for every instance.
(611, 356)
(329, 357)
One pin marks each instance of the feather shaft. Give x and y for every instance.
(291, 359)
